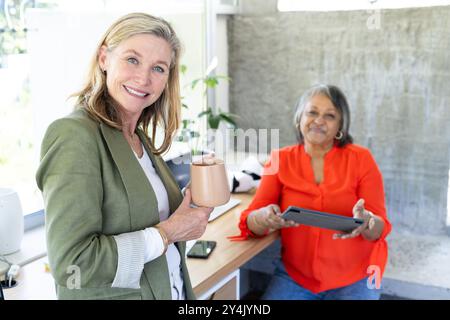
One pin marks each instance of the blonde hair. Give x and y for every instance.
(165, 111)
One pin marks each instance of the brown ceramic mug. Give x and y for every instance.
(209, 183)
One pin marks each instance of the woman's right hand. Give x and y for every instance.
(186, 223)
(267, 218)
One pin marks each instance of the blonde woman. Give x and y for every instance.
(116, 220)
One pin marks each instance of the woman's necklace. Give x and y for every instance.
(136, 145)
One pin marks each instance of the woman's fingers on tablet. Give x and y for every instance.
(342, 236)
(291, 223)
(274, 221)
(275, 209)
(355, 233)
(274, 218)
(279, 223)
(288, 223)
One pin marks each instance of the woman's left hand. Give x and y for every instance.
(360, 213)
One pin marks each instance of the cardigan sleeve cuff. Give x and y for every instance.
(154, 244)
(130, 249)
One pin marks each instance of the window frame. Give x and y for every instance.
(350, 5)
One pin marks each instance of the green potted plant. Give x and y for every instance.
(214, 116)
(189, 131)
(214, 119)
(213, 122)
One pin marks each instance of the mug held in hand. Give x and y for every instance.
(209, 183)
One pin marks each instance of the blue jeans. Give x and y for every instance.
(283, 287)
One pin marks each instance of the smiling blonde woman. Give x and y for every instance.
(113, 209)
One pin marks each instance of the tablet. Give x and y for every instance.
(321, 219)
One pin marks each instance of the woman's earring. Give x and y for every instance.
(339, 135)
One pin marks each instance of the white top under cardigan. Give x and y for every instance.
(137, 248)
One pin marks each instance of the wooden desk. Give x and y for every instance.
(226, 259)
(228, 255)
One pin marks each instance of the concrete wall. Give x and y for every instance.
(396, 79)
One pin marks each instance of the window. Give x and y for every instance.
(45, 48)
(332, 5)
(17, 146)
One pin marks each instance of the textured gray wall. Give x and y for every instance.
(396, 80)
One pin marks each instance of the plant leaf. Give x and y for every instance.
(194, 83)
(211, 82)
(225, 117)
(207, 112)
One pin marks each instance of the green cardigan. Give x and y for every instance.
(94, 188)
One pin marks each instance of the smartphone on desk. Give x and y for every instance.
(201, 249)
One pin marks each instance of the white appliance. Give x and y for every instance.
(11, 221)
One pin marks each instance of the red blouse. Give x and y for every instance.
(311, 257)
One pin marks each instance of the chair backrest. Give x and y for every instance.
(181, 169)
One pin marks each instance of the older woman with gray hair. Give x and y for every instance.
(325, 172)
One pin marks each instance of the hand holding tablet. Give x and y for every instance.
(359, 212)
